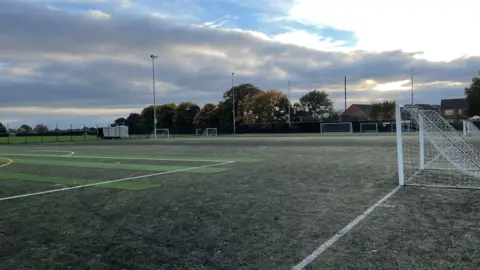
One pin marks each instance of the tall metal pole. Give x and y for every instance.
(412, 85)
(154, 103)
(233, 101)
(345, 86)
(289, 105)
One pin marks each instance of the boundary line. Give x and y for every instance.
(317, 252)
(9, 161)
(111, 181)
(124, 158)
(69, 153)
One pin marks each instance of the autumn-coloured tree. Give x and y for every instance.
(270, 107)
(244, 94)
(208, 115)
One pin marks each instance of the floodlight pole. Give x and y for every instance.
(233, 101)
(289, 105)
(154, 104)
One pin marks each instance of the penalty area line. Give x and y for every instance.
(112, 181)
(122, 158)
(317, 252)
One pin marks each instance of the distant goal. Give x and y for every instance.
(206, 132)
(431, 152)
(369, 127)
(161, 133)
(336, 127)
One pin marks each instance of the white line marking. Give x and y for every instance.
(111, 181)
(125, 158)
(69, 153)
(388, 205)
(342, 232)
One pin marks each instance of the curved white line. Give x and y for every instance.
(69, 153)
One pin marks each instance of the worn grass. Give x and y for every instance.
(268, 212)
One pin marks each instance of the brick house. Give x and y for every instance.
(358, 112)
(454, 109)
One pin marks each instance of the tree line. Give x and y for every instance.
(252, 106)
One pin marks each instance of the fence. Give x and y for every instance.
(72, 134)
(45, 134)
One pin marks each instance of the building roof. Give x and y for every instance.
(366, 108)
(454, 103)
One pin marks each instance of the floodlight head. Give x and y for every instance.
(153, 56)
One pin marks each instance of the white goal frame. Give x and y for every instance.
(470, 129)
(367, 130)
(432, 152)
(161, 132)
(322, 125)
(209, 132)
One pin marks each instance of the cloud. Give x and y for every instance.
(60, 59)
(441, 29)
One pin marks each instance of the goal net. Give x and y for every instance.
(432, 153)
(199, 132)
(369, 127)
(337, 127)
(161, 132)
(210, 132)
(470, 129)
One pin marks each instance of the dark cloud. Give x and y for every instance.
(82, 61)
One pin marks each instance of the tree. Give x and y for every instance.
(244, 94)
(26, 128)
(40, 128)
(120, 121)
(207, 116)
(472, 94)
(270, 106)
(317, 104)
(3, 129)
(184, 115)
(166, 116)
(137, 125)
(383, 110)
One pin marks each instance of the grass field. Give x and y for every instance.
(39, 139)
(239, 202)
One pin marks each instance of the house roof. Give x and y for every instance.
(454, 103)
(366, 108)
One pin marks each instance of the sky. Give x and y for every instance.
(88, 61)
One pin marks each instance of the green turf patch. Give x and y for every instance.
(180, 158)
(118, 166)
(127, 185)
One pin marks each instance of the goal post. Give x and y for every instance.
(470, 129)
(161, 133)
(368, 127)
(432, 153)
(210, 132)
(336, 127)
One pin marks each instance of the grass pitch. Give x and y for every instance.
(226, 203)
